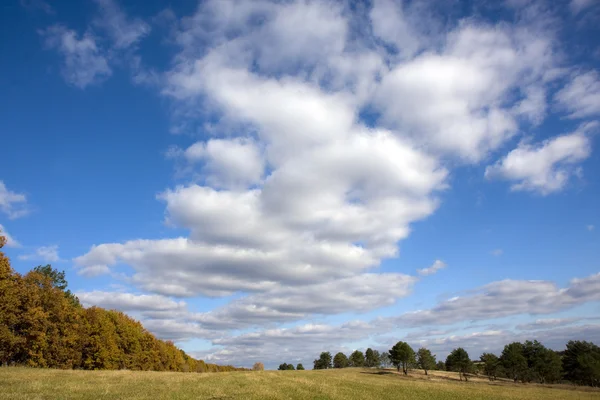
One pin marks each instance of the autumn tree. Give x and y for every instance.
(425, 360)
(340, 360)
(258, 366)
(402, 355)
(458, 360)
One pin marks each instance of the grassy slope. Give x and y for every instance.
(22, 383)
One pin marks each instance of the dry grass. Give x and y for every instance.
(23, 383)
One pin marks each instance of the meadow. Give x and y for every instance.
(349, 383)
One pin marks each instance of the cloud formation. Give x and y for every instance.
(545, 167)
(13, 204)
(44, 253)
(435, 267)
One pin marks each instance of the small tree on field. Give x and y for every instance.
(340, 360)
(384, 360)
(425, 360)
(458, 360)
(402, 355)
(491, 365)
(300, 367)
(440, 366)
(323, 362)
(513, 361)
(371, 358)
(290, 367)
(357, 359)
(258, 366)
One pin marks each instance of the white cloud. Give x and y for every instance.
(579, 5)
(43, 253)
(228, 163)
(13, 204)
(10, 241)
(545, 167)
(581, 96)
(93, 270)
(435, 267)
(84, 63)
(129, 301)
(123, 32)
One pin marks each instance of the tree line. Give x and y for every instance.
(524, 362)
(42, 324)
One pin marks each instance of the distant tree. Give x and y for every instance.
(290, 367)
(384, 360)
(357, 359)
(458, 360)
(491, 365)
(340, 360)
(581, 363)
(543, 364)
(323, 362)
(514, 362)
(440, 366)
(425, 360)
(258, 366)
(300, 367)
(371, 358)
(402, 355)
(283, 367)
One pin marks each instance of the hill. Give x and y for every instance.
(350, 383)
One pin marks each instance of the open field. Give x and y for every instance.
(23, 383)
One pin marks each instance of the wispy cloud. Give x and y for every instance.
(435, 267)
(43, 253)
(13, 204)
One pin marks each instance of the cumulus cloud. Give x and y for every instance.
(13, 204)
(581, 96)
(545, 167)
(297, 197)
(10, 241)
(435, 267)
(43, 253)
(84, 63)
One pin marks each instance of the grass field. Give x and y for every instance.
(23, 383)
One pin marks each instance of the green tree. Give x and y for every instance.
(283, 367)
(581, 363)
(340, 360)
(58, 281)
(356, 359)
(402, 355)
(323, 362)
(425, 360)
(290, 367)
(543, 364)
(491, 364)
(371, 358)
(440, 366)
(514, 362)
(300, 367)
(458, 360)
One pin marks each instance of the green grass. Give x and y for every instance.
(24, 383)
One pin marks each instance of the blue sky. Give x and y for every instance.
(261, 181)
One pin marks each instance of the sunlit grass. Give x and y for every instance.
(23, 383)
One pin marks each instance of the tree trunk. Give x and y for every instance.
(465, 375)
(425, 372)
(398, 367)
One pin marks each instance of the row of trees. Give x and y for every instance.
(290, 367)
(522, 362)
(42, 324)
